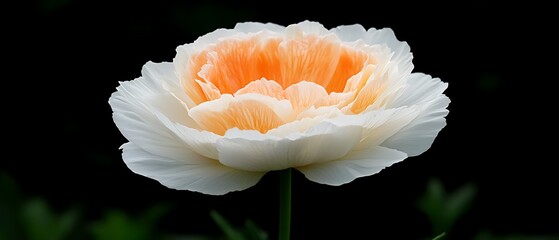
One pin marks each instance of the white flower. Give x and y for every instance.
(334, 104)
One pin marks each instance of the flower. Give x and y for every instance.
(334, 104)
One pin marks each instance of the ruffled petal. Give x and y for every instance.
(199, 141)
(304, 95)
(264, 87)
(419, 134)
(400, 49)
(350, 33)
(378, 125)
(253, 27)
(181, 174)
(135, 104)
(251, 151)
(247, 111)
(420, 88)
(356, 164)
(164, 75)
(305, 27)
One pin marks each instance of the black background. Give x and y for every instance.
(68, 57)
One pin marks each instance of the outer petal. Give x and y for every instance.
(135, 105)
(164, 74)
(419, 134)
(201, 142)
(401, 50)
(251, 151)
(350, 33)
(253, 27)
(378, 125)
(421, 88)
(306, 27)
(212, 178)
(356, 164)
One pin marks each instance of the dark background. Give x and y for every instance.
(70, 55)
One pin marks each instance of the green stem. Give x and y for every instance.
(285, 204)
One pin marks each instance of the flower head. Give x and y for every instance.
(334, 104)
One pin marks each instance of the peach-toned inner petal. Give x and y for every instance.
(307, 71)
(233, 63)
(304, 95)
(264, 87)
(251, 113)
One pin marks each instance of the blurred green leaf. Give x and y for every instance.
(117, 225)
(41, 223)
(254, 232)
(10, 199)
(440, 236)
(251, 231)
(444, 209)
(230, 232)
(53, 5)
(485, 235)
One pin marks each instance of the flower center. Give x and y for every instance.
(263, 81)
(233, 63)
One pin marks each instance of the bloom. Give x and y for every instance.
(236, 103)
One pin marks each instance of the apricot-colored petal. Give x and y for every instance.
(304, 94)
(210, 91)
(247, 111)
(382, 86)
(264, 87)
(186, 66)
(309, 58)
(350, 62)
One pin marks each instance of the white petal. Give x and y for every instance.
(306, 120)
(356, 164)
(323, 142)
(213, 178)
(201, 142)
(420, 88)
(134, 105)
(350, 33)
(253, 27)
(310, 27)
(378, 125)
(165, 76)
(386, 36)
(420, 133)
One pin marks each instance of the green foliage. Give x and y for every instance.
(40, 222)
(490, 236)
(443, 209)
(34, 219)
(10, 199)
(249, 232)
(117, 225)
